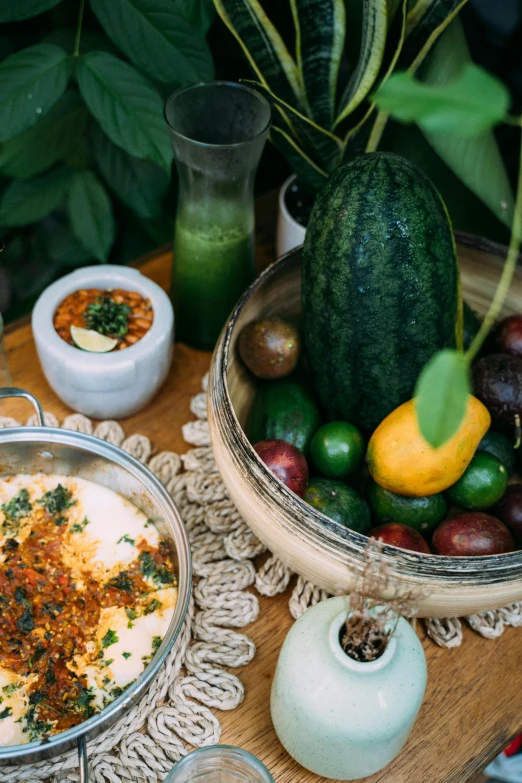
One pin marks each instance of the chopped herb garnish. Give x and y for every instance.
(52, 609)
(38, 653)
(50, 677)
(106, 680)
(152, 606)
(78, 527)
(57, 500)
(18, 507)
(34, 727)
(20, 595)
(150, 570)
(108, 663)
(6, 713)
(121, 582)
(156, 643)
(131, 613)
(9, 689)
(126, 655)
(106, 316)
(11, 545)
(127, 539)
(83, 702)
(109, 638)
(26, 622)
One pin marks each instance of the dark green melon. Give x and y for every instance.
(381, 290)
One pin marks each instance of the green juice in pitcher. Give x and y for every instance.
(213, 265)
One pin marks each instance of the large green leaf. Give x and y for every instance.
(263, 47)
(31, 81)
(26, 201)
(470, 104)
(52, 139)
(63, 248)
(427, 20)
(138, 183)
(319, 144)
(200, 13)
(126, 105)
(310, 176)
(320, 32)
(477, 161)
(375, 22)
(441, 396)
(16, 10)
(157, 38)
(90, 213)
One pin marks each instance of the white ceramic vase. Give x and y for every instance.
(335, 716)
(290, 234)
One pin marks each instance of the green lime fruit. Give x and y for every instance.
(498, 444)
(482, 484)
(337, 449)
(423, 514)
(339, 502)
(94, 342)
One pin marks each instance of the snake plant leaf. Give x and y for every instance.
(320, 27)
(476, 161)
(264, 48)
(427, 20)
(375, 20)
(310, 176)
(318, 143)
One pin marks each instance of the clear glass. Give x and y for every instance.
(219, 764)
(218, 131)
(5, 375)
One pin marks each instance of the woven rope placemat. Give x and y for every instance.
(175, 714)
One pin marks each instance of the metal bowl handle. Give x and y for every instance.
(82, 756)
(13, 392)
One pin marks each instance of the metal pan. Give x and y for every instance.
(52, 450)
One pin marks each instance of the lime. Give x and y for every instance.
(339, 502)
(482, 484)
(501, 447)
(337, 449)
(423, 514)
(89, 340)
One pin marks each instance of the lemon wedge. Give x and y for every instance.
(89, 340)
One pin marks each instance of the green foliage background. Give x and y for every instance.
(85, 156)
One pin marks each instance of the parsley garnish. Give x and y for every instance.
(34, 727)
(131, 613)
(152, 606)
(156, 642)
(126, 655)
(83, 702)
(9, 689)
(6, 713)
(18, 507)
(127, 539)
(121, 582)
(149, 569)
(106, 316)
(108, 663)
(79, 526)
(57, 500)
(25, 623)
(109, 638)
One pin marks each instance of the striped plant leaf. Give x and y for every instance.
(476, 161)
(320, 27)
(427, 20)
(310, 176)
(318, 143)
(375, 22)
(263, 46)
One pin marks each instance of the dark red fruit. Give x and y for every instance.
(497, 382)
(286, 462)
(402, 536)
(270, 347)
(471, 534)
(509, 510)
(509, 335)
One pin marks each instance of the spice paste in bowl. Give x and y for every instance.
(84, 604)
(124, 315)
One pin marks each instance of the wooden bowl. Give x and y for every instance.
(310, 543)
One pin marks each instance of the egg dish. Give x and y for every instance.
(87, 593)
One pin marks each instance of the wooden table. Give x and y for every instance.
(473, 704)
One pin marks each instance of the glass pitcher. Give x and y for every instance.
(218, 132)
(219, 764)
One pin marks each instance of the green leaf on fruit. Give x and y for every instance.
(127, 106)
(157, 38)
(31, 81)
(441, 396)
(90, 213)
(468, 106)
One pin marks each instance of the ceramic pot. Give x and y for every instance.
(290, 234)
(337, 717)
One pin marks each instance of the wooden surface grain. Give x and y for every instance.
(473, 704)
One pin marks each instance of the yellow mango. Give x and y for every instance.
(401, 461)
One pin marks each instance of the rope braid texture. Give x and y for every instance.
(175, 714)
